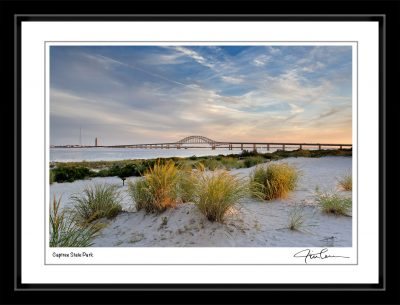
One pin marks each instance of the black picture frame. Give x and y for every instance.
(387, 13)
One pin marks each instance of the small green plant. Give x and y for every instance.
(164, 222)
(65, 232)
(273, 181)
(296, 218)
(346, 182)
(158, 190)
(97, 201)
(334, 203)
(217, 192)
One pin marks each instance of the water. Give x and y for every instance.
(112, 154)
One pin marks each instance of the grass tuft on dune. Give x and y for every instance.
(217, 192)
(96, 201)
(158, 190)
(274, 180)
(65, 231)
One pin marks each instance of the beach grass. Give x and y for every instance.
(186, 184)
(158, 190)
(274, 180)
(217, 192)
(334, 203)
(212, 164)
(64, 231)
(296, 218)
(96, 201)
(231, 163)
(346, 182)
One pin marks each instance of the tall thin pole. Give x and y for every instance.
(80, 136)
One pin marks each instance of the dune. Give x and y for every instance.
(251, 223)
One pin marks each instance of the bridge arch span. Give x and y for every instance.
(196, 140)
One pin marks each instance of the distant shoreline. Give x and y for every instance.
(71, 171)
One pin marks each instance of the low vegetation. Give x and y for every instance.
(158, 190)
(273, 181)
(71, 171)
(97, 201)
(65, 232)
(253, 161)
(334, 203)
(346, 182)
(217, 192)
(187, 184)
(296, 218)
(70, 174)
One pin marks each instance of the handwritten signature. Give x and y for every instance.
(308, 255)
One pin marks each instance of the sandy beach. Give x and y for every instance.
(251, 223)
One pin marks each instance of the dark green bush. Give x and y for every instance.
(70, 174)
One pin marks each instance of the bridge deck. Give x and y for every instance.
(215, 145)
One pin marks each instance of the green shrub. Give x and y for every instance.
(217, 192)
(273, 181)
(52, 177)
(70, 174)
(96, 202)
(252, 161)
(346, 182)
(334, 203)
(158, 190)
(64, 231)
(247, 153)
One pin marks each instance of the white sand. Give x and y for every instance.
(251, 224)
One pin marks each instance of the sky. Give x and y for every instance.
(151, 94)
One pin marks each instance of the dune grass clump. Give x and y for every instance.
(158, 190)
(296, 218)
(334, 203)
(217, 192)
(346, 182)
(186, 185)
(273, 181)
(97, 201)
(64, 231)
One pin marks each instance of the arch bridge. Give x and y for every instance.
(199, 141)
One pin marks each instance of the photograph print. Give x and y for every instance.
(200, 145)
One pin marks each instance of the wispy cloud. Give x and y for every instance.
(130, 94)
